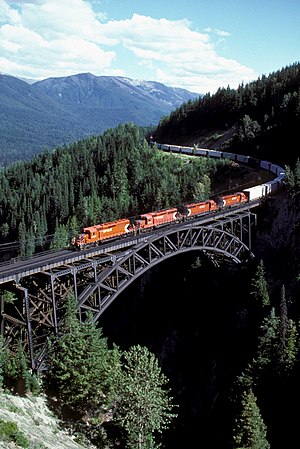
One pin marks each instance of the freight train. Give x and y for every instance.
(95, 235)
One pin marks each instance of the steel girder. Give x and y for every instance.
(97, 280)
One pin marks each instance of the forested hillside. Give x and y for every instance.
(93, 180)
(58, 111)
(261, 118)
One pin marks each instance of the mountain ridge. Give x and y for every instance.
(58, 111)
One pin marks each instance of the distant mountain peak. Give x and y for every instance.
(60, 110)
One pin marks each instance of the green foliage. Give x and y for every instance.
(16, 372)
(260, 287)
(268, 340)
(144, 405)
(9, 432)
(248, 129)
(92, 380)
(292, 178)
(288, 337)
(250, 431)
(61, 238)
(91, 181)
(83, 368)
(8, 297)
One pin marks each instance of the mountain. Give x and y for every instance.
(57, 111)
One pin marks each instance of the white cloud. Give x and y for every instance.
(216, 31)
(182, 57)
(44, 38)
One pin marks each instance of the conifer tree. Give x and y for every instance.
(61, 237)
(268, 340)
(287, 344)
(22, 238)
(102, 366)
(250, 431)
(17, 374)
(260, 287)
(82, 364)
(67, 358)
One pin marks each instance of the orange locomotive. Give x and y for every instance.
(229, 200)
(159, 218)
(94, 235)
(200, 208)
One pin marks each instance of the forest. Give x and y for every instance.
(261, 118)
(103, 178)
(222, 367)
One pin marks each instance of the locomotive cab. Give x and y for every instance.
(80, 241)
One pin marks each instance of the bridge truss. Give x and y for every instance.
(96, 280)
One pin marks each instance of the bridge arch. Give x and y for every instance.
(99, 275)
(128, 266)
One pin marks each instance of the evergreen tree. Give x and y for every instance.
(144, 405)
(287, 344)
(82, 364)
(268, 341)
(22, 238)
(61, 237)
(4, 230)
(102, 366)
(67, 358)
(17, 374)
(250, 431)
(260, 287)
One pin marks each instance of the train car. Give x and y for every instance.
(231, 156)
(94, 235)
(201, 152)
(230, 200)
(242, 158)
(199, 208)
(158, 218)
(187, 150)
(254, 193)
(214, 153)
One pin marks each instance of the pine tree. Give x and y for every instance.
(61, 237)
(22, 238)
(67, 358)
(250, 431)
(260, 287)
(83, 367)
(101, 365)
(287, 344)
(268, 341)
(16, 371)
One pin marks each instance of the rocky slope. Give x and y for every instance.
(37, 422)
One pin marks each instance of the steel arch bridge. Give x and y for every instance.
(98, 277)
(127, 267)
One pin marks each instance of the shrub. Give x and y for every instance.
(9, 431)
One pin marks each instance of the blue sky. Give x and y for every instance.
(193, 44)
